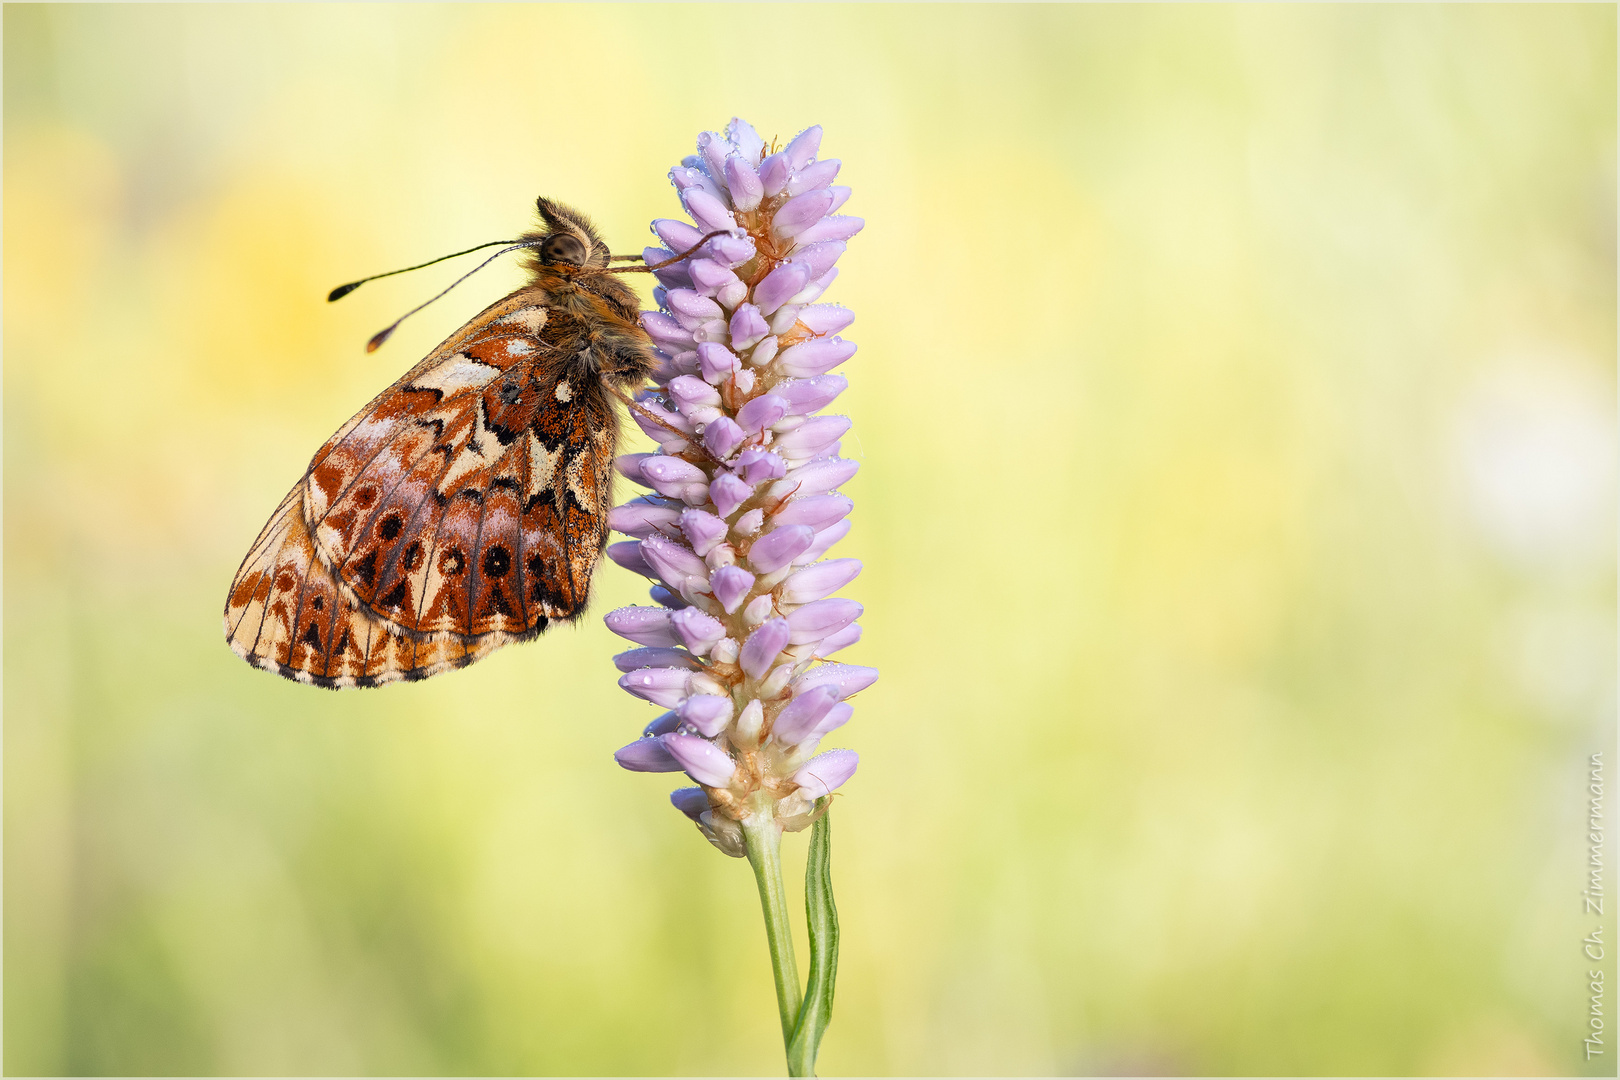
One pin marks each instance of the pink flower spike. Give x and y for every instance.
(824, 773)
(702, 760)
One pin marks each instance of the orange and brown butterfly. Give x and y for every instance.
(466, 506)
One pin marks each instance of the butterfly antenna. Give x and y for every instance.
(344, 290)
(687, 254)
(383, 335)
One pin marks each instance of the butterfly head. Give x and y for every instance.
(570, 240)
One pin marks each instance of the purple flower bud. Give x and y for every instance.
(802, 150)
(761, 413)
(848, 679)
(708, 713)
(810, 292)
(779, 284)
(817, 259)
(749, 524)
(723, 436)
(691, 801)
(822, 618)
(627, 553)
(764, 352)
(675, 477)
(779, 547)
(731, 294)
(832, 228)
(643, 625)
(746, 189)
(816, 511)
(717, 362)
(677, 235)
(674, 562)
(632, 659)
(826, 318)
(759, 609)
(703, 529)
(663, 596)
(745, 138)
(819, 580)
(763, 646)
(843, 639)
(818, 175)
(823, 474)
(702, 760)
(758, 466)
(643, 515)
(662, 329)
(646, 755)
(836, 717)
(806, 441)
(809, 395)
(774, 173)
(814, 356)
(690, 177)
(713, 148)
(659, 685)
(728, 492)
(698, 306)
(730, 585)
(799, 213)
(698, 631)
(822, 774)
(731, 251)
(708, 275)
(841, 194)
(824, 540)
(688, 392)
(800, 716)
(747, 326)
(662, 724)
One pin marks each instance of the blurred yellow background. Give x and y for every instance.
(1236, 409)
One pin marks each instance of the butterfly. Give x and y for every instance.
(465, 507)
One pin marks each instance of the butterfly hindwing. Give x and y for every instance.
(286, 614)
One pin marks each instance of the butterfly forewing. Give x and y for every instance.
(463, 508)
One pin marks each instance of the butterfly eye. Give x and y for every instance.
(563, 248)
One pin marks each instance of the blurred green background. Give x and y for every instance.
(1236, 409)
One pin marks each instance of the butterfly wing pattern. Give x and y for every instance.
(463, 509)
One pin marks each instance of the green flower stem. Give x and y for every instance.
(763, 838)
